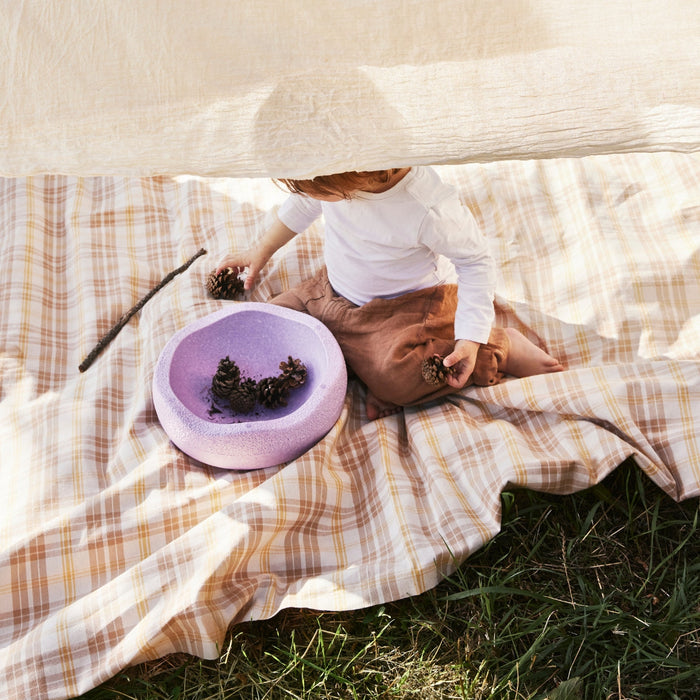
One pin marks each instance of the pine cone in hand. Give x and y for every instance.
(242, 397)
(225, 285)
(226, 379)
(434, 372)
(293, 372)
(273, 392)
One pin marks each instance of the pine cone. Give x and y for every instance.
(434, 372)
(227, 378)
(225, 285)
(293, 372)
(242, 397)
(273, 392)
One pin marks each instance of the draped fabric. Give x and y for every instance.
(116, 548)
(305, 87)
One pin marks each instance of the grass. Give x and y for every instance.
(594, 595)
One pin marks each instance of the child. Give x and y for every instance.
(407, 276)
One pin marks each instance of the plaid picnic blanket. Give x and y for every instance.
(116, 548)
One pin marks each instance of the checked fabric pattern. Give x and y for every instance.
(116, 548)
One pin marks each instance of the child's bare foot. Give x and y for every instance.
(525, 358)
(379, 409)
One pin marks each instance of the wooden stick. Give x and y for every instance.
(106, 339)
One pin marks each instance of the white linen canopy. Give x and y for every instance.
(307, 87)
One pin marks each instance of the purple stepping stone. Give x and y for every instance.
(257, 337)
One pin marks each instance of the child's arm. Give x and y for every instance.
(295, 215)
(256, 258)
(452, 231)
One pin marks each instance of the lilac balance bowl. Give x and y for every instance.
(257, 337)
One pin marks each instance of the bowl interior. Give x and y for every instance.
(257, 341)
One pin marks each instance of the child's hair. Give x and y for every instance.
(340, 185)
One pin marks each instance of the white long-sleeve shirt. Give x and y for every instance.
(415, 235)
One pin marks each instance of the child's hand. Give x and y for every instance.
(253, 260)
(463, 359)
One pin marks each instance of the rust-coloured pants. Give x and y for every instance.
(386, 340)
